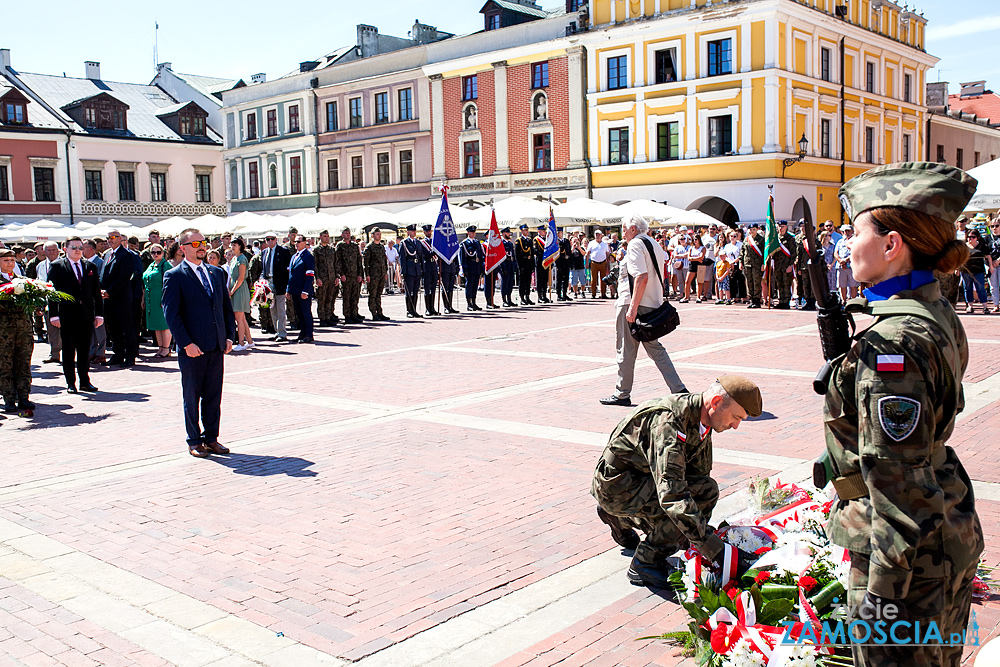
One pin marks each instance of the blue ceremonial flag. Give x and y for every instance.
(551, 242)
(445, 240)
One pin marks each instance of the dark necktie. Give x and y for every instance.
(204, 279)
(79, 277)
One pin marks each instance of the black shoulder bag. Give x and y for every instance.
(656, 323)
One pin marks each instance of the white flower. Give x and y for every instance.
(19, 287)
(743, 655)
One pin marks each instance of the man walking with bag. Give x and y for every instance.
(640, 290)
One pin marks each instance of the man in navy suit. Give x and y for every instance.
(76, 319)
(118, 289)
(200, 316)
(301, 273)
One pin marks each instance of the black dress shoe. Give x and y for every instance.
(25, 404)
(51, 360)
(622, 535)
(645, 574)
(305, 340)
(454, 311)
(126, 363)
(470, 308)
(88, 387)
(9, 407)
(616, 400)
(72, 390)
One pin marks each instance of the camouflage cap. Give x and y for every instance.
(744, 391)
(935, 189)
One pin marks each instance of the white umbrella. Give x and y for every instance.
(512, 211)
(253, 225)
(988, 191)
(360, 218)
(319, 222)
(586, 211)
(210, 225)
(691, 218)
(45, 230)
(123, 228)
(171, 226)
(427, 214)
(651, 210)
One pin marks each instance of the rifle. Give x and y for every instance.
(836, 327)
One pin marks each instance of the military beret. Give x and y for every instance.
(325, 231)
(470, 228)
(523, 226)
(505, 230)
(541, 227)
(754, 225)
(782, 222)
(6, 252)
(744, 392)
(936, 189)
(427, 228)
(345, 229)
(411, 228)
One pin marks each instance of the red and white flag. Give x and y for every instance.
(495, 253)
(890, 362)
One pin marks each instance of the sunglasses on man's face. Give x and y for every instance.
(197, 244)
(75, 247)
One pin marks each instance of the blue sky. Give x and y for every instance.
(239, 39)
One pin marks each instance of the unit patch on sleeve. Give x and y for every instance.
(898, 416)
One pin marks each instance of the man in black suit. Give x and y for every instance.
(76, 319)
(200, 316)
(301, 273)
(276, 260)
(118, 288)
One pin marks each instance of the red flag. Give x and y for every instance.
(495, 252)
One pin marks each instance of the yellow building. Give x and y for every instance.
(704, 104)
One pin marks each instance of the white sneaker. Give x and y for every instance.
(239, 348)
(250, 346)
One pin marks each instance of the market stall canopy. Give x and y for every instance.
(210, 225)
(987, 197)
(651, 210)
(171, 226)
(587, 211)
(360, 218)
(311, 224)
(694, 218)
(255, 225)
(427, 214)
(512, 211)
(40, 230)
(123, 228)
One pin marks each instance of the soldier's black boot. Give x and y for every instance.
(429, 305)
(648, 574)
(810, 304)
(9, 406)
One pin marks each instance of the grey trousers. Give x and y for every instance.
(628, 348)
(98, 347)
(55, 340)
(278, 313)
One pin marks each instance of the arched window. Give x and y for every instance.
(272, 175)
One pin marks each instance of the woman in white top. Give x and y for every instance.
(696, 255)
(679, 265)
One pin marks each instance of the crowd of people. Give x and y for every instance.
(273, 281)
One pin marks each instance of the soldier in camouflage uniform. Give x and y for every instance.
(16, 346)
(752, 258)
(783, 267)
(904, 506)
(352, 272)
(328, 275)
(376, 268)
(654, 475)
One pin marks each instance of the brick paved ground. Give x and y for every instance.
(402, 494)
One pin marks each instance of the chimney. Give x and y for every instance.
(368, 40)
(93, 70)
(165, 66)
(423, 33)
(4, 59)
(258, 78)
(937, 96)
(308, 65)
(973, 89)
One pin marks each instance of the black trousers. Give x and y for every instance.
(471, 286)
(412, 284)
(562, 280)
(524, 282)
(201, 384)
(119, 319)
(430, 282)
(76, 338)
(541, 281)
(448, 289)
(304, 313)
(490, 286)
(506, 281)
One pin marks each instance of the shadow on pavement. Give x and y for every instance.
(764, 416)
(265, 466)
(56, 416)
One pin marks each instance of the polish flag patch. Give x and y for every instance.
(681, 436)
(889, 362)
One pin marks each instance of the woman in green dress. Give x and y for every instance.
(152, 278)
(239, 292)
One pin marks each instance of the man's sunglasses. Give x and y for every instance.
(197, 244)
(74, 247)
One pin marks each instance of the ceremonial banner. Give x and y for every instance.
(495, 253)
(771, 240)
(445, 240)
(551, 243)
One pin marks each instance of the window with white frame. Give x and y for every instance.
(825, 70)
(4, 183)
(870, 73)
(382, 168)
(381, 108)
(720, 135)
(357, 172)
(906, 148)
(333, 174)
(617, 72)
(405, 97)
(665, 64)
(824, 137)
(406, 166)
(668, 141)
(870, 145)
(618, 148)
(720, 57)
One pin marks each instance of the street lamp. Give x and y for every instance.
(789, 161)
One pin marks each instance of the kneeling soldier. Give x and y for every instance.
(654, 476)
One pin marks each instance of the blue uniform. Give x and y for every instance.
(473, 259)
(411, 265)
(508, 269)
(449, 272)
